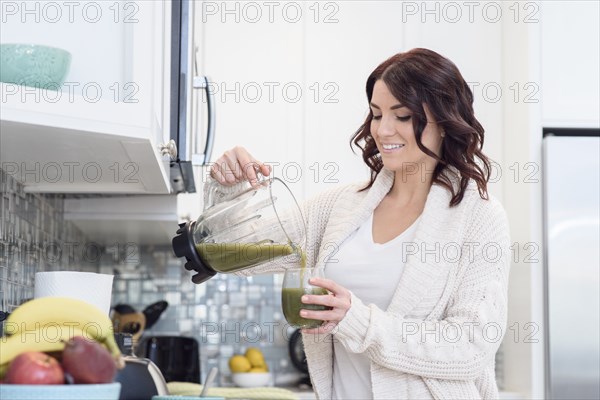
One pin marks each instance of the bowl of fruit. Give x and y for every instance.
(250, 369)
(56, 348)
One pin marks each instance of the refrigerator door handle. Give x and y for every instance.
(201, 159)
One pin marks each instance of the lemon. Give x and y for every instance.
(239, 363)
(259, 369)
(256, 358)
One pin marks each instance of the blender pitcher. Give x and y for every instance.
(255, 226)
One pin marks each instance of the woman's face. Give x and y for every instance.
(392, 129)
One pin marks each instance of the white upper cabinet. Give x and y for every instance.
(570, 64)
(102, 130)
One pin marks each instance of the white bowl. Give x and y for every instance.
(251, 379)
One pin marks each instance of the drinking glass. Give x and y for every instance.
(295, 285)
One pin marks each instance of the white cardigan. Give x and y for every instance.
(441, 331)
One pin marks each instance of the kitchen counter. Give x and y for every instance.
(281, 392)
(303, 394)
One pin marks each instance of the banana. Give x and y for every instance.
(47, 312)
(42, 340)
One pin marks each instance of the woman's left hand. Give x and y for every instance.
(338, 299)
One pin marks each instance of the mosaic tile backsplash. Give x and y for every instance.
(34, 237)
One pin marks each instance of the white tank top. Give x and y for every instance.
(372, 272)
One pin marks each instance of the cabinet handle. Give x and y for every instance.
(202, 82)
(169, 149)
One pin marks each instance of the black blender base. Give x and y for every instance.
(201, 277)
(183, 246)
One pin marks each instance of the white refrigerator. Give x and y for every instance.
(572, 234)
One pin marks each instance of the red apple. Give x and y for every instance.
(35, 368)
(87, 361)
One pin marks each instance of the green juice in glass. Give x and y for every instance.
(295, 285)
(291, 304)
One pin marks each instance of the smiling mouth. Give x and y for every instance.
(392, 146)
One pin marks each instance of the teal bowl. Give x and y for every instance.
(34, 65)
(105, 391)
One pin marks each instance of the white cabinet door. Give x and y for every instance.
(253, 53)
(570, 64)
(101, 131)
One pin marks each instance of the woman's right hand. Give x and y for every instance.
(237, 165)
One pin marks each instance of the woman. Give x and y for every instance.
(418, 286)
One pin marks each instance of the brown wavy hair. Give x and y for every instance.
(422, 76)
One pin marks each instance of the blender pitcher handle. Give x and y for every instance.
(214, 186)
(211, 193)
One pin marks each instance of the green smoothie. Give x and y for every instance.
(230, 257)
(292, 304)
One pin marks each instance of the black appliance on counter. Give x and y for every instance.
(178, 357)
